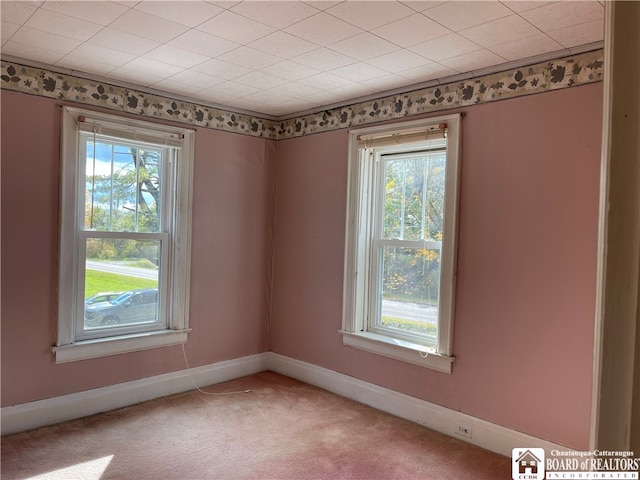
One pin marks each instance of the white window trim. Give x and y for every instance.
(356, 272)
(67, 348)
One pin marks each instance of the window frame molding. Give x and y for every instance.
(358, 240)
(68, 347)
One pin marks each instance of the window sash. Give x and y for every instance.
(363, 247)
(175, 235)
(377, 243)
(168, 174)
(163, 286)
(374, 318)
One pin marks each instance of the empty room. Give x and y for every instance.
(320, 239)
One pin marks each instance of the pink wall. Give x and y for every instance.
(523, 334)
(527, 256)
(233, 211)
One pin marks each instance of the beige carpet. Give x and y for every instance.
(281, 429)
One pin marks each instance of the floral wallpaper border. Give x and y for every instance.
(566, 72)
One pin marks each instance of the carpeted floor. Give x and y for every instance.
(281, 429)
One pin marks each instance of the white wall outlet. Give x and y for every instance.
(462, 429)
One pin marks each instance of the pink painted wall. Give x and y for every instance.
(527, 254)
(523, 334)
(233, 208)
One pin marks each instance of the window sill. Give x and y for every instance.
(116, 345)
(397, 349)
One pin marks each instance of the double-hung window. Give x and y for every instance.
(124, 235)
(401, 240)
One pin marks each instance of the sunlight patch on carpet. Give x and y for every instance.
(91, 470)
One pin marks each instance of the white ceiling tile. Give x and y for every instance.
(126, 3)
(253, 104)
(291, 107)
(280, 57)
(324, 59)
(261, 79)
(250, 57)
(579, 34)
(323, 4)
(214, 96)
(323, 29)
(364, 46)
(290, 70)
(157, 69)
(99, 12)
(352, 92)
(32, 52)
(448, 46)
(397, 61)
(63, 25)
(148, 26)
(357, 72)
(527, 47)
(427, 72)
(188, 13)
(83, 64)
(220, 69)
(260, 100)
(411, 30)
(283, 45)
(223, 3)
(123, 42)
(203, 43)
(473, 61)
(176, 56)
(369, 15)
(422, 5)
(234, 27)
(230, 89)
(16, 12)
(503, 30)
(133, 76)
(321, 98)
(46, 40)
(298, 90)
(459, 15)
(172, 86)
(8, 29)
(286, 108)
(519, 6)
(385, 83)
(325, 81)
(195, 79)
(107, 56)
(564, 14)
(277, 14)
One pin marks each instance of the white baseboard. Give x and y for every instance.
(40, 413)
(484, 434)
(487, 435)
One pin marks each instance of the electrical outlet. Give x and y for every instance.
(464, 430)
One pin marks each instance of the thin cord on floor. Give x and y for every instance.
(186, 362)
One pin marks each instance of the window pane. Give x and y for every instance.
(121, 282)
(123, 187)
(410, 289)
(414, 196)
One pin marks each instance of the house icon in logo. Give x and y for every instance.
(527, 463)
